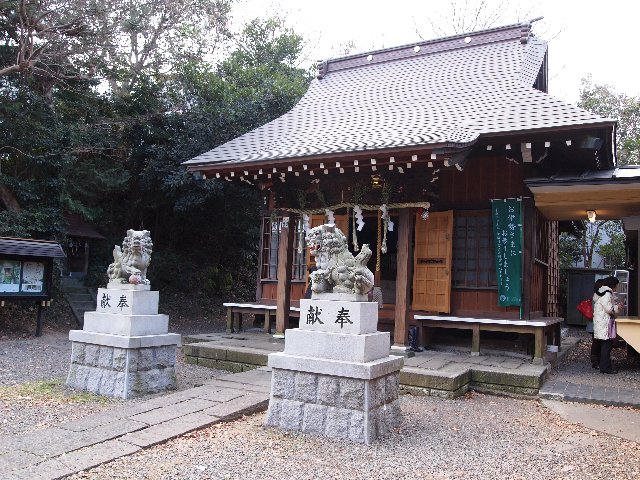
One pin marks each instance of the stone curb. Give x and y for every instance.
(580, 393)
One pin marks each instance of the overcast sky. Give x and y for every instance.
(597, 38)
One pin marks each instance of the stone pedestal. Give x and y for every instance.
(124, 349)
(335, 376)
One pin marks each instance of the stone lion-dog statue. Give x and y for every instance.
(130, 262)
(338, 270)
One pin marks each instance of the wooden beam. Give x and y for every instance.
(528, 232)
(403, 277)
(260, 260)
(285, 259)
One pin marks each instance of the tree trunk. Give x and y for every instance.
(8, 199)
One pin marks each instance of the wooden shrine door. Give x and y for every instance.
(432, 262)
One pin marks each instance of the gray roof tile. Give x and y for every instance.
(30, 248)
(449, 93)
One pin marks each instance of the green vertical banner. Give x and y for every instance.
(507, 236)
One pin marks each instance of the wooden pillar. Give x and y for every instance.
(85, 267)
(528, 232)
(637, 263)
(39, 319)
(403, 278)
(285, 259)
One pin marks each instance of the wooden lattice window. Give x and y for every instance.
(269, 254)
(541, 240)
(473, 250)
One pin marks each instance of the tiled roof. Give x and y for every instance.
(78, 227)
(30, 248)
(440, 93)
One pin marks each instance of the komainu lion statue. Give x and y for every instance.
(338, 270)
(130, 262)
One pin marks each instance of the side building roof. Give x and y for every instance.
(30, 248)
(444, 93)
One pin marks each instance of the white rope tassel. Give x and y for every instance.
(356, 247)
(357, 211)
(305, 222)
(300, 236)
(331, 220)
(385, 219)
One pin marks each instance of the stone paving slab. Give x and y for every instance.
(581, 393)
(169, 399)
(222, 395)
(75, 440)
(248, 403)
(97, 454)
(175, 410)
(167, 430)
(621, 423)
(59, 451)
(38, 437)
(242, 387)
(18, 459)
(47, 470)
(103, 418)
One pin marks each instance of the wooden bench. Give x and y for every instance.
(268, 309)
(629, 330)
(548, 327)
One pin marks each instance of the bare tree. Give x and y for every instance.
(57, 40)
(470, 15)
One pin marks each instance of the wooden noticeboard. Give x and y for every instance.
(26, 271)
(20, 278)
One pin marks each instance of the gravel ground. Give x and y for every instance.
(34, 405)
(476, 436)
(575, 367)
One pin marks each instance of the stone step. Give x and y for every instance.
(87, 305)
(81, 297)
(438, 376)
(74, 289)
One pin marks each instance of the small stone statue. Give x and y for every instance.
(338, 270)
(130, 262)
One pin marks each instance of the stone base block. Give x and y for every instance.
(123, 341)
(126, 325)
(337, 316)
(122, 372)
(128, 301)
(337, 346)
(339, 368)
(361, 410)
(118, 285)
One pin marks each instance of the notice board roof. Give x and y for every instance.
(29, 247)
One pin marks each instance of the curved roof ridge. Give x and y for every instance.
(425, 47)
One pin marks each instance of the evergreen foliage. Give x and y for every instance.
(109, 146)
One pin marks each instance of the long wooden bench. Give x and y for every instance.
(629, 330)
(546, 327)
(268, 309)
